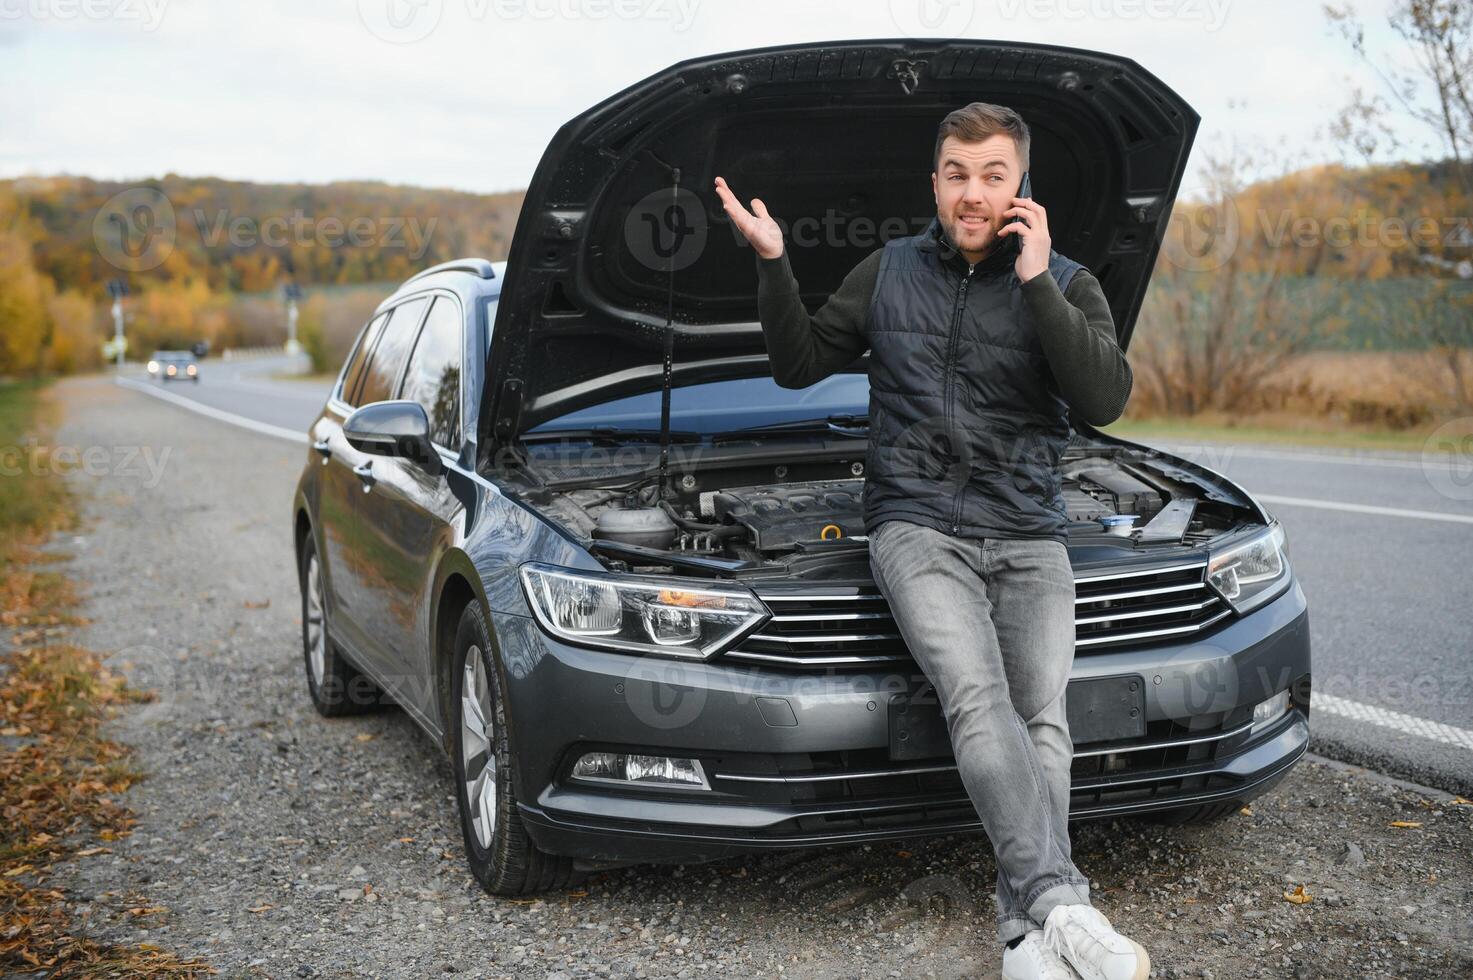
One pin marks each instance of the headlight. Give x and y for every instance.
(153, 367)
(1249, 574)
(191, 369)
(673, 617)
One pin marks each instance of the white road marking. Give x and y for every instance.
(1425, 515)
(229, 417)
(1395, 720)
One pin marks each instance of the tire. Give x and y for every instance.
(335, 686)
(1205, 813)
(500, 854)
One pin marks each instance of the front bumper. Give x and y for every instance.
(797, 760)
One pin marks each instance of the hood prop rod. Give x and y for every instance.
(669, 347)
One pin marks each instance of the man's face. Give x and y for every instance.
(974, 183)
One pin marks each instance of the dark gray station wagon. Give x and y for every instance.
(559, 511)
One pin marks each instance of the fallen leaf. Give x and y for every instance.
(89, 852)
(1298, 896)
(261, 908)
(1459, 801)
(1247, 811)
(263, 604)
(363, 737)
(1405, 823)
(902, 854)
(14, 872)
(406, 840)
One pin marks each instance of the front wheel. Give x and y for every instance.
(501, 855)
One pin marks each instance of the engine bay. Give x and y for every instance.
(802, 515)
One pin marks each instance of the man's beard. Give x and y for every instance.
(982, 240)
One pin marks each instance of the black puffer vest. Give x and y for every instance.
(967, 425)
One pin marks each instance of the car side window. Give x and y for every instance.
(389, 354)
(433, 377)
(360, 357)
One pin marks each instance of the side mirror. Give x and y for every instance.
(395, 428)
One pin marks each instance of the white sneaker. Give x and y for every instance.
(1033, 960)
(1084, 938)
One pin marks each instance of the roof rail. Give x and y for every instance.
(476, 267)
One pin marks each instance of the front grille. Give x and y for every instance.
(852, 626)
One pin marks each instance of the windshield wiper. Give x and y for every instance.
(844, 425)
(610, 433)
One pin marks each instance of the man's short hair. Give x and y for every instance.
(976, 121)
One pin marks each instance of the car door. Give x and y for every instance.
(338, 487)
(358, 570)
(407, 514)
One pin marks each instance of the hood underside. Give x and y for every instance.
(621, 232)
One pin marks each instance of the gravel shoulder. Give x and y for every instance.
(281, 844)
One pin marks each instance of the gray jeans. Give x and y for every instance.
(991, 623)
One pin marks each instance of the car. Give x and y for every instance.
(173, 365)
(558, 510)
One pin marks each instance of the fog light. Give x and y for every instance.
(661, 770)
(1265, 713)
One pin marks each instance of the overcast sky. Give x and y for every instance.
(466, 93)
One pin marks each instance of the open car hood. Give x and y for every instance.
(622, 233)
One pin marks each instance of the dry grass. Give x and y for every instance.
(1390, 399)
(60, 777)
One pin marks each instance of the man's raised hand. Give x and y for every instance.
(759, 229)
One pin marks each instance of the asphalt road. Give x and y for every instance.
(1381, 542)
(277, 843)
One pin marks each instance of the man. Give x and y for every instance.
(981, 339)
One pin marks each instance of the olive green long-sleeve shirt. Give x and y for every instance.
(1074, 326)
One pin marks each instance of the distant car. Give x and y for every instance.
(173, 365)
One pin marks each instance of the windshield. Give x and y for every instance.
(720, 406)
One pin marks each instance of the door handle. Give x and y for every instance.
(324, 449)
(365, 473)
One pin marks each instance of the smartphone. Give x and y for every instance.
(1025, 189)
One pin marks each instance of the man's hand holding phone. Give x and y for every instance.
(1027, 232)
(759, 229)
